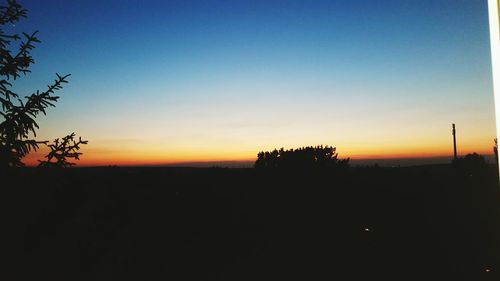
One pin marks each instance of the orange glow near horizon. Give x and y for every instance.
(217, 83)
(94, 155)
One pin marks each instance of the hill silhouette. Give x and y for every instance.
(415, 223)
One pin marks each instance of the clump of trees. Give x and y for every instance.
(18, 128)
(470, 164)
(311, 157)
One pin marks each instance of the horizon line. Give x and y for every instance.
(246, 163)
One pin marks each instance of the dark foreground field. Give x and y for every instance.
(421, 223)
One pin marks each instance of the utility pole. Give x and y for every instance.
(453, 132)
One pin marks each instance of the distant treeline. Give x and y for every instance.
(470, 164)
(311, 157)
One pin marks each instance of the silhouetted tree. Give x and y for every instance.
(470, 164)
(318, 157)
(19, 116)
(495, 150)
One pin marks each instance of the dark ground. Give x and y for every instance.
(419, 223)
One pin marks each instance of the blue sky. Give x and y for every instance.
(177, 80)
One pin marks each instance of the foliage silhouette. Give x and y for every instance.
(67, 147)
(19, 117)
(311, 157)
(470, 164)
(495, 150)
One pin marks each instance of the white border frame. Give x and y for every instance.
(495, 57)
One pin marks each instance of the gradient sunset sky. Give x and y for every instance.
(157, 82)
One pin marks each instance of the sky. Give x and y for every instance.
(162, 82)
